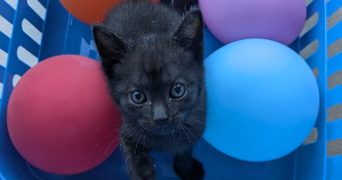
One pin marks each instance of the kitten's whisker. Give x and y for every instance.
(129, 126)
(217, 140)
(199, 144)
(126, 124)
(194, 136)
(135, 128)
(174, 140)
(179, 132)
(136, 146)
(185, 133)
(104, 125)
(220, 124)
(141, 129)
(104, 139)
(173, 137)
(109, 146)
(179, 129)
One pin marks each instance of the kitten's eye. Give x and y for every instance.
(177, 91)
(138, 97)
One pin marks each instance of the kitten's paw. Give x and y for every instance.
(197, 172)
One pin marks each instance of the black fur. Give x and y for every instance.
(150, 48)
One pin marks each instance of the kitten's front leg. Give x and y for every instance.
(139, 162)
(187, 167)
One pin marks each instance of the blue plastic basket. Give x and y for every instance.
(33, 30)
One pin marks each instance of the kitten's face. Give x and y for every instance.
(155, 81)
(157, 88)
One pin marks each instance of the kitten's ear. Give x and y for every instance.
(190, 31)
(110, 47)
(184, 5)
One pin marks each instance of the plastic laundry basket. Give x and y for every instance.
(33, 30)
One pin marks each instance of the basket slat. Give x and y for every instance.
(334, 130)
(334, 165)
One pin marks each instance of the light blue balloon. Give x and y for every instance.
(263, 100)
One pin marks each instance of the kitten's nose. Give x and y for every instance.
(159, 114)
(160, 121)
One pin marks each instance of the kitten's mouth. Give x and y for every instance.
(164, 129)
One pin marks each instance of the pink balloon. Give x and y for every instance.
(60, 116)
(232, 20)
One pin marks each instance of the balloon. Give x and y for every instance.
(61, 117)
(91, 11)
(263, 100)
(232, 20)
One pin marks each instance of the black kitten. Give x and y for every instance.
(152, 56)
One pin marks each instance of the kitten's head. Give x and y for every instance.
(155, 80)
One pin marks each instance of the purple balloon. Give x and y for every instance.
(232, 20)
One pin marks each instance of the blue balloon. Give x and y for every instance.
(263, 100)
